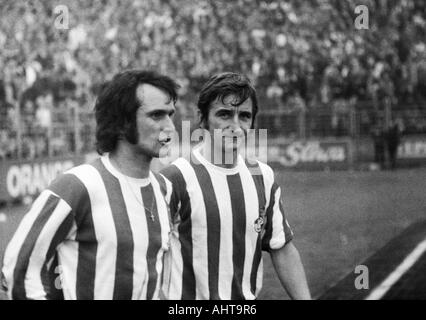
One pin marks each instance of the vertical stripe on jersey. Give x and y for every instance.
(260, 189)
(161, 193)
(287, 230)
(50, 274)
(77, 197)
(180, 194)
(18, 291)
(154, 235)
(162, 183)
(163, 189)
(213, 228)
(226, 267)
(238, 234)
(269, 224)
(123, 283)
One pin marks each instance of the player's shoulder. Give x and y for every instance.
(258, 167)
(70, 185)
(175, 168)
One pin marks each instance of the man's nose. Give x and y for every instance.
(236, 125)
(168, 125)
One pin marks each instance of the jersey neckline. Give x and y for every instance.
(142, 182)
(200, 158)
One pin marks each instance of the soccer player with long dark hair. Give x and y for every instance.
(100, 230)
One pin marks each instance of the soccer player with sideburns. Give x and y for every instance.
(100, 230)
(225, 213)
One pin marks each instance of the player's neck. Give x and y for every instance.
(130, 163)
(219, 157)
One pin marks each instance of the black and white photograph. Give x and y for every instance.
(222, 150)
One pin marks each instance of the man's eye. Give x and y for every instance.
(245, 115)
(224, 114)
(156, 115)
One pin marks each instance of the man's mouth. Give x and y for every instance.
(165, 141)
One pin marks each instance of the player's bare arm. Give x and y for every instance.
(290, 271)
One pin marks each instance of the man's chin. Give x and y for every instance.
(164, 151)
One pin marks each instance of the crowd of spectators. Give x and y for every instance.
(300, 55)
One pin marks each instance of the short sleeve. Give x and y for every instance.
(277, 230)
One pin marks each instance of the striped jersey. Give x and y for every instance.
(222, 220)
(92, 234)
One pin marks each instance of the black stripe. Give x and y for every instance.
(269, 213)
(213, 228)
(173, 174)
(123, 284)
(238, 234)
(48, 277)
(70, 189)
(24, 255)
(260, 189)
(163, 189)
(154, 235)
(180, 195)
(51, 279)
(162, 183)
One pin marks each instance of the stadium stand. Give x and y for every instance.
(311, 66)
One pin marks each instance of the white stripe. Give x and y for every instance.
(408, 262)
(198, 232)
(162, 213)
(15, 244)
(165, 229)
(145, 285)
(137, 220)
(259, 281)
(226, 268)
(173, 269)
(159, 268)
(252, 213)
(33, 284)
(68, 262)
(105, 231)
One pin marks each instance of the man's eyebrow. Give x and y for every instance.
(225, 109)
(171, 111)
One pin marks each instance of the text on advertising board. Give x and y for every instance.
(300, 152)
(31, 179)
(412, 149)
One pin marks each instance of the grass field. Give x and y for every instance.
(339, 219)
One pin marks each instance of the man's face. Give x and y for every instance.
(232, 122)
(154, 120)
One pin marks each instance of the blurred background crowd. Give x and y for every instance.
(315, 72)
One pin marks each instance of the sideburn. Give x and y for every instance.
(130, 132)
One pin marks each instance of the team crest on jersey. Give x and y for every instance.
(260, 222)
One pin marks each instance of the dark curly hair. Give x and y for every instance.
(117, 103)
(223, 85)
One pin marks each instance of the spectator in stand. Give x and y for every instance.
(378, 136)
(393, 139)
